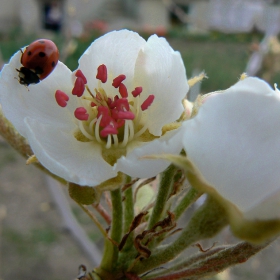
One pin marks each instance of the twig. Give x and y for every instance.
(102, 211)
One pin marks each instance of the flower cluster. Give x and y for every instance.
(102, 118)
(123, 113)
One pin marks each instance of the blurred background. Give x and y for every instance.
(224, 38)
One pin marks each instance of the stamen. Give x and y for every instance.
(138, 118)
(92, 124)
(109, 129)
(61, 98)
(113, 103)
(141, 131)
(79, 87)
(131, 131)
(102, 73)
(137, 91)
(120, 123)
(123, 91)
(147, 102)
(83, 130)
(109, 142)
(122, 104)
(105, 116)
(118, 80)
(97, 130)
(98, 99)
(81, 114)
(116, 140)
(114, 119)
(126, 135)
(80, 74)
(126, 115)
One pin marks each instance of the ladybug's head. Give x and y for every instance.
(27, 76)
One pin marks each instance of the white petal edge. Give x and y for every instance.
(118, 50)
(136, 166)
(63, 155)
(160, 71)
(234, 142)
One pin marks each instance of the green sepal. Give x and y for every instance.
(83, 194)
(113, 183)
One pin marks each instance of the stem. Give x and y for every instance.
(207, 221)
(128, 251)
(191, 196)
(111, 252)
(162, 195)
(128, 217)
(236, 254)
(93, 276)
(187, 263)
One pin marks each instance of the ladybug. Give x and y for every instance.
(38, 61)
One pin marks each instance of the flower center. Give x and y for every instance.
(111, 119)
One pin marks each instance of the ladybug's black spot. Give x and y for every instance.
(42, 54)
(29, 53)
(53, 64)
(41, 41)
(39, 70)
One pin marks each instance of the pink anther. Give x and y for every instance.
(126, 115)
(118, 80)
(61, 98)
(114, 113)
(102, 73)
(120, 123)
(81, 114)
(147, 102)
(80, 74)
(122, 104)
(108, 130)
(79, 87)
(137, 91)
(106, 117)
(113, 103)
(123, 90)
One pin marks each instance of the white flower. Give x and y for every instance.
(234, 142)
(126, 92)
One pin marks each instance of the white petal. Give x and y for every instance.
(234, 142)
(267, 209)
(134, 166)
(37, 101)
(63, 155)
(161, 72)
(118, 50)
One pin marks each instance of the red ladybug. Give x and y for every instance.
(38, 60)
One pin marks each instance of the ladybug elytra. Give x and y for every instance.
(38, 61)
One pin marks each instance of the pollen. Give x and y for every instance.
(112, 117)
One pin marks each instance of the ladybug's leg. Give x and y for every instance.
(20, 82)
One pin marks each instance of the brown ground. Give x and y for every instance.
(34, 245)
